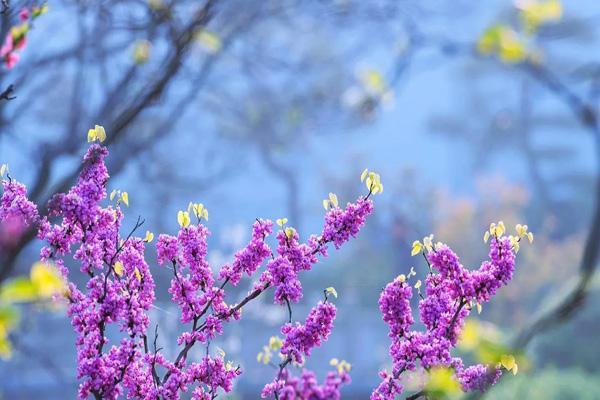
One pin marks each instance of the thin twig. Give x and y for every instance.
(7, 94)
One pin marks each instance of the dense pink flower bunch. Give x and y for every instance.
(450, 292)
(119, 290)
(16, 39)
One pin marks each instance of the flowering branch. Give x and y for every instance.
(120, 287)
(120, 290)
(451, 292)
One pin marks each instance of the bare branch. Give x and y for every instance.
(7, 94)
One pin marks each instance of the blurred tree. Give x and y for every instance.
(525, 46)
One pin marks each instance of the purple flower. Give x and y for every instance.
(119, 291)
(166, 249)
(306, 386)
(252, 256)
(449, 295)
(341, 224)
(300, 339)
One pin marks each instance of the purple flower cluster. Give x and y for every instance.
(449, 296)
(342, 224)
(306, 387)
(17, 213)
(293, 257)
(282, 271)
(119, 290)
(192, 284)
(300, 339)
(15, 204)
(210, 375)
(252, 256)
(476, 377)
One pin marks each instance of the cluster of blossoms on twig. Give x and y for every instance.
(298, 342)
(451, 292)
(120, 289)
(305, 386)
(17, 213)
(16, 39)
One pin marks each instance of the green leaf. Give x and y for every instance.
(331, 290)
(46, 280)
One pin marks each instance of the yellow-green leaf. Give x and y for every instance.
(275, 343)
(9, 318)
(118, 267)
(364, 175)
(100, 133)
(442, 383)
(508, 361)
(210, 41)
(373, 81)
(91, 135)
(281, 221)
(47, 280)
(125, 198)
(18, 290)
(469, 337)
(5, 348)
(149, 237)
(417, 247)
(141, 52)
(331, 290)
(289, 232)
(530, 237)
(183, 218)
(333, 199)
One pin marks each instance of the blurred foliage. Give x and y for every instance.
(42, 284)
(541, 271)
(210, 41)
(549, 384)
(442, 384)
(573, 345)
(486, 345)
(9, 318)
(514, 44)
